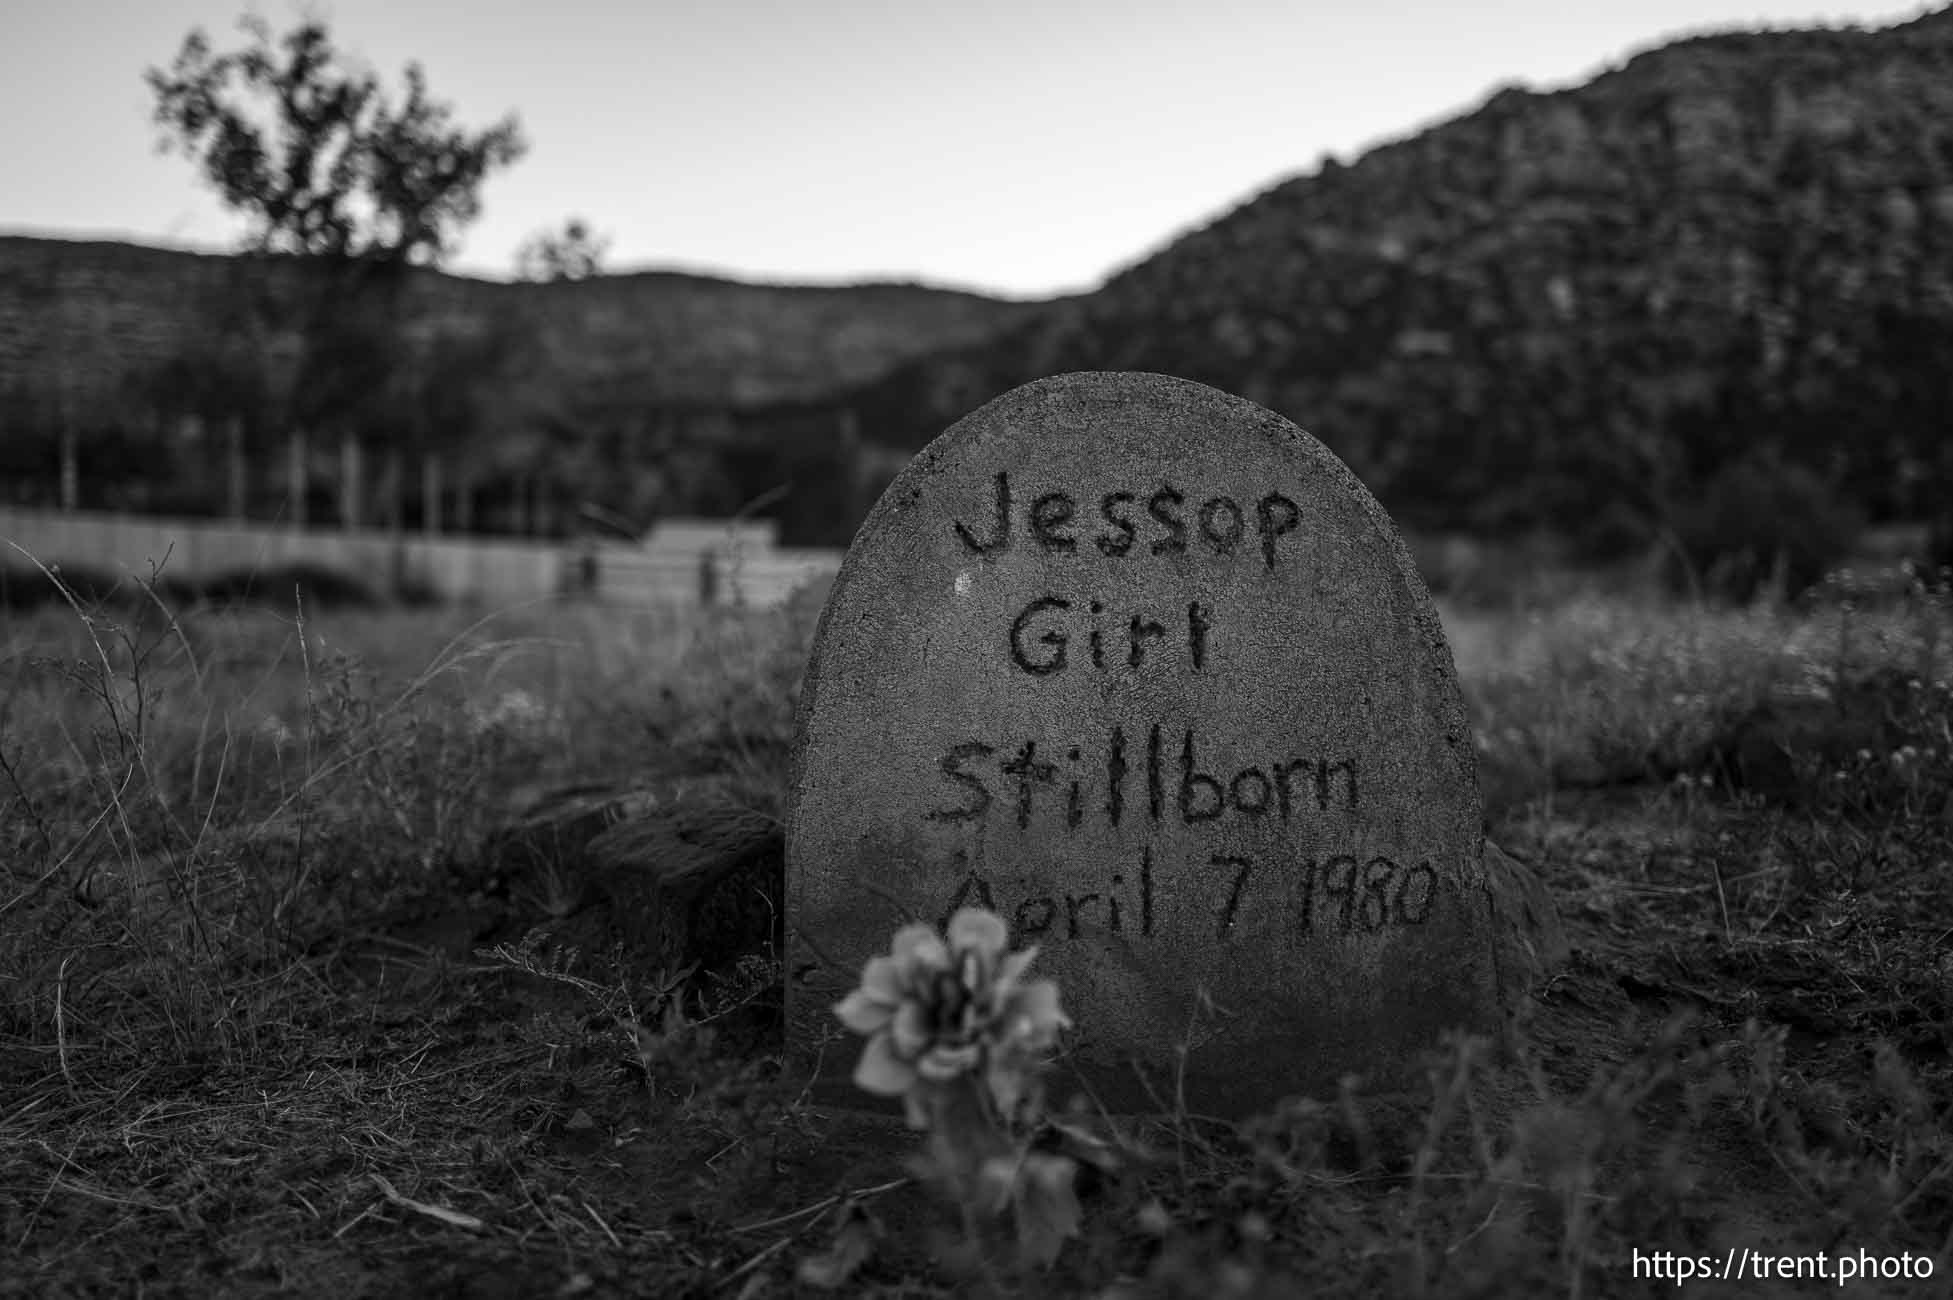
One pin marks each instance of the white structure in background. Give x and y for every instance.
(706, 562)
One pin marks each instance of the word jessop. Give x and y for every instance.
(1219, 524)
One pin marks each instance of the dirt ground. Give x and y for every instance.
(469, 1130)
(473, 1085)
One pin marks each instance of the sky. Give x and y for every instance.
(1018, 147)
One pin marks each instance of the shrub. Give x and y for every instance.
(1939, 545)
(24, 587)
(316, 585)
(1615, 534)
(1761, 524)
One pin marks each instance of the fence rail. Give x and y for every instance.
(732, 571)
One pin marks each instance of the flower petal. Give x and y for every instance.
(1006, 1081)
(1011, 970)
(881, 1071)
(996, 1182)
(918, 948)
(942, 1062)
(910, 1028)
(863, 1012)
(881, 978)
(1034, 1016)
(973, 929)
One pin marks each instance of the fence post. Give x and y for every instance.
(299, 482)
(70, 466)
(352, 479)
(234, 467)
(708, 579)
(430, 493)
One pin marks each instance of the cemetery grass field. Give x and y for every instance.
(287, 1007)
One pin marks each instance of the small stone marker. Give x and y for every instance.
(1144, 669)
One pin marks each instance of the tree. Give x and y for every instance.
(327, 167)
(212, 382)
(339, 172)
(574, 253)
(84, 387)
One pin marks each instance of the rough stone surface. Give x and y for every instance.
(1143, 668)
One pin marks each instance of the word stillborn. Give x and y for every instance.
(1284, 789)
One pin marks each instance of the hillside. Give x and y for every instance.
(1576, 306)
(1600, 310)
(658, 337)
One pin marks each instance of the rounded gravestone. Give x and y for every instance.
(1144, 669)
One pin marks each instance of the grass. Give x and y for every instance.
(312, 984)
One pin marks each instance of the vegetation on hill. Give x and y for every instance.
(665, 340)
(646, 375)
(1714, 281)
(1573, 309)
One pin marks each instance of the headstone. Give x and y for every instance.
(1144, 669)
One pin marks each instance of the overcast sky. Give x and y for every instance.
(1014, 146)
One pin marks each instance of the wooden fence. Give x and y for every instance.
(684, 570)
